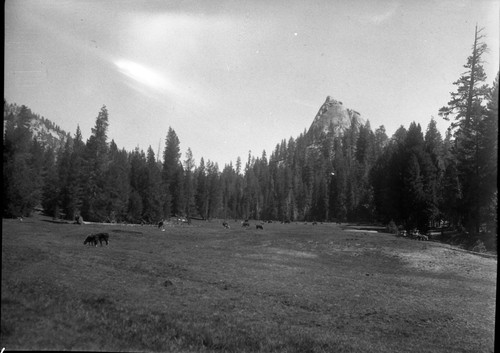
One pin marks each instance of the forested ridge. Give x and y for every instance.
(416, 178)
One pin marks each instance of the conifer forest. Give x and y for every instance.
(416, 178)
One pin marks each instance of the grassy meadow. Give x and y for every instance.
(203, 288)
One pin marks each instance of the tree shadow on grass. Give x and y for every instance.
(57, 221)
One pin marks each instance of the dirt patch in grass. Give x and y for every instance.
(444, 260)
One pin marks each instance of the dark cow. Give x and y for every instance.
(91, 239)
(94, 238)
(225, 225)
(245, 223)
(160, 224)
(258, 226)
(102, 237)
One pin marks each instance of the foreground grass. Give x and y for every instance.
(203, 288)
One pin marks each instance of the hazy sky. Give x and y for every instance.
(233, 76)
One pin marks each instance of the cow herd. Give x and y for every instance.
(414, 234)
(93, 239)
(246, 224)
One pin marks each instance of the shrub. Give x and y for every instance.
(392, 227)
(479, 247)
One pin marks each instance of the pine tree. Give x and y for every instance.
(451, 193)
(189, 185)
(74, 180)
(213, 189)
(94, 204)
(66, 195)
(434, 149)
(380, 142)
(201, 196)
(153, 199)
(488, 161)
(138, 185)
(413, 192)
(172, 186)
(228, 179)
(22, 181)
(51, 187)
(387, 180)
(117, 184)
(238, 193)
(468, 110)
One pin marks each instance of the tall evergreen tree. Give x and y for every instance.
(96, 162)
(21, 171)
(468, 109)
(153, 199)
(138, 185)
(189, 185)
(414, 194)
(228, 184)
(117, 184)
(51, 189)
(213, 190)
(172, 186)
(202, 193)
(434, 148)
(488, 160)
(76, 178)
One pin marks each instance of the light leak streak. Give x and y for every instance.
(142, 74)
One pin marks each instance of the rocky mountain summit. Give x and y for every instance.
(46, 132)
(333, 113)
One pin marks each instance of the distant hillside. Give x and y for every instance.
(45, 131)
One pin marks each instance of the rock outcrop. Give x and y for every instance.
(333, 113)
(45, 131)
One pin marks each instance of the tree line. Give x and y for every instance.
(415, 178)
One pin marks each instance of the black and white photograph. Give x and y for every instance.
(250, 176)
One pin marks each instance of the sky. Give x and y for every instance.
(231, 76)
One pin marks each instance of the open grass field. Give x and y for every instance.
(203, 288)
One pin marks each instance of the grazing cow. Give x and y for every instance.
(91, 239)
(94, 238)
(315, 223)
(258, 226)
(245, 224)
(102, 237)
(225, 225)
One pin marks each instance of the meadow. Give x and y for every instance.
(203, 288)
